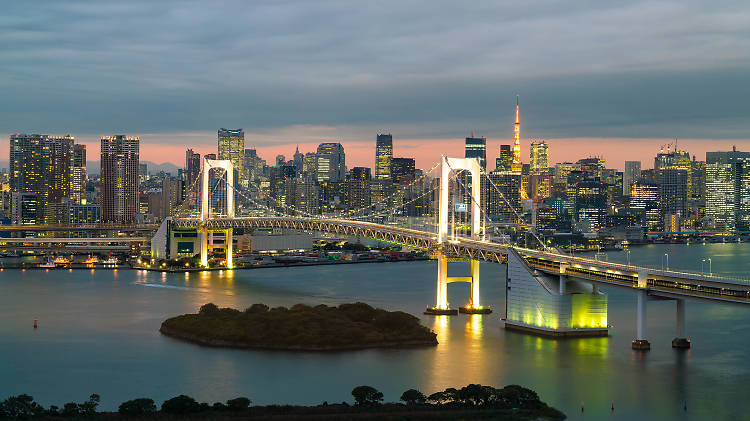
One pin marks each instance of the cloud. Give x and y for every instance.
(293, 71)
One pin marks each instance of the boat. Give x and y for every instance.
(110, 261)
(49, 264)
(61, 261)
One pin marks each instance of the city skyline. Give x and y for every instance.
(430, 82)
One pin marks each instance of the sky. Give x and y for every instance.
(595, 78)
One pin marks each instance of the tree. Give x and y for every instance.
(238, 404)
(136, 407)
(180, 405)
(257, 309)
(21, 406)
(366, 396)
(209, 309)
(413, 397)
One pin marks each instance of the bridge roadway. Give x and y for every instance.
(80, 227)
(661, 283)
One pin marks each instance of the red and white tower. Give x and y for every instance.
(517, 166)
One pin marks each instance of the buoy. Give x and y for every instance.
(581, 406)
(613, 406)
(35, 320)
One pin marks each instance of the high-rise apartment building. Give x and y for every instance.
(79, 175)
(383, 156)
(41, 165)
(232, 147)
(504, 162)
(119, 172)
(631, 175)
(728, 189)
(476, 147)
(331, 165)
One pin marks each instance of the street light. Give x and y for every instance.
(702, 262)
(709, 266)
(628, 252)
(662, 261)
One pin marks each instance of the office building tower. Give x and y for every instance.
(331, 162)
(631, 175)
(476, 147)
(79, 175)
(591, 204)
(402, 170)
(298, 159)
(192, 173)
(728, 189)
(280, 160)
(119, 175)
(358, 186)
(232, 147)
(504, 162)
(41, 165)
(383, 156)
(644, 200)
(673, 191)
(540, 181)
(592, 166)
(172, 195)
(502, 196)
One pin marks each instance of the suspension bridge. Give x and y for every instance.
(548, 292)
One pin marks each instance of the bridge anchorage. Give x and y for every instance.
(447, 166)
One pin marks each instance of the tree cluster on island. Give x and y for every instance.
(469, 402)
(301, 327)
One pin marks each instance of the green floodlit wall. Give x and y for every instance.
(530, 303)
(589, 311)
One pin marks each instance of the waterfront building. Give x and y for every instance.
(119, 176)
(331, 162)
(24, 208)
(631, 174)
(383, 156)
(232, 147)
(504, 161)
(41, 165)
(728, 189)
(85, 214)
(476, 147)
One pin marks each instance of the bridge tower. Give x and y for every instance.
(207, 235)
(448, 165)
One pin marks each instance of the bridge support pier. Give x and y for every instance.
(640, 343)
(204, 246)
(680, 341)
(474, 307)
(441, 306)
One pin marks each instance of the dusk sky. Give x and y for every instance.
(611, 79)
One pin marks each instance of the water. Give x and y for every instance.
(98, 333)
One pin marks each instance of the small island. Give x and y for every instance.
(301, 327)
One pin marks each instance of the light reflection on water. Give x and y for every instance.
(99, 333)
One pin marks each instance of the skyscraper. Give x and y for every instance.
(402, 170)
(505, 161)
(79, 176)
(383, 156)
(331, 162)
(298, 159)
(476, 147)
(631, 175)
(728, 189)
(540, 181)
(40, 166)
(192, 171)
(119, 172)
(232, 147)
(516, 166)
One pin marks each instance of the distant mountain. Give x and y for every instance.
(93, 167)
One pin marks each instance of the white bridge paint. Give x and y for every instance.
(448, 165)
(227, 166)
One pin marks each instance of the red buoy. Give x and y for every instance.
(35, 320)
(613, 405)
